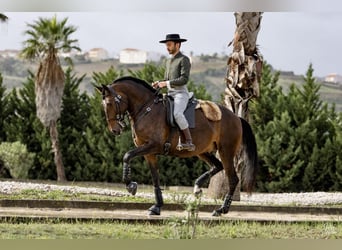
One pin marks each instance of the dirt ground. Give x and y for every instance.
(142, 215)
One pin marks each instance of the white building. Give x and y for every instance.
(333, 78)
(133, 56)
(9, 53)
(97, 54)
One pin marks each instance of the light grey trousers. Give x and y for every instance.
(180, 101)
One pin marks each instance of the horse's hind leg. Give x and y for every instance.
(228, 163)
(152, 163)
(216, 166)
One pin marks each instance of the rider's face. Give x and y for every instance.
(172, 47)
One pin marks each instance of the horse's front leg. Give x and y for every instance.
(126, 177)
(152, 163)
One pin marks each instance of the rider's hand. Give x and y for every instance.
(162, 84)
(159, 84)
(155, 84)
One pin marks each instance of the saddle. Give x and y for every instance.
(189, 112)
(210, 110)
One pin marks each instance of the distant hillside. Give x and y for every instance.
(328, 93)
(207, 70)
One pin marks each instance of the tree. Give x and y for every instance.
(298, 138)
(22, 125)
(74, 119)
(242, 80)
(46, 38)
(3, 110)
(3, 18)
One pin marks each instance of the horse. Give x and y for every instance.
(230, 137)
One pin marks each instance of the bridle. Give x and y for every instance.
(120, 116)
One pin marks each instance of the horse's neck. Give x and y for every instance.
(138, 99)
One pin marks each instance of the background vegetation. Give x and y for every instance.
(298, 135)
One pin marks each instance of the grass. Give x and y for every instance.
(61, 195)
(173, 229)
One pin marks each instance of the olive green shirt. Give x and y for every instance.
(177, 72)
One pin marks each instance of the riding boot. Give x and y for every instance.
(188, 141)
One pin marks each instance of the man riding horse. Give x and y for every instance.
(176, 77)
(225, 136)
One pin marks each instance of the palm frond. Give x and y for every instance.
(48, 35)
(3, 18)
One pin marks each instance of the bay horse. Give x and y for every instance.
(140, 102)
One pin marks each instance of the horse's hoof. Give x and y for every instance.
(216, 213)
(132, 188)
(198, 193)
(221, 210)
(224, 210)
(154, 210)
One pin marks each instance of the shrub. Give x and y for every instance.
(16, 159)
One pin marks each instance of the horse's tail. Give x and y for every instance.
(250, 157)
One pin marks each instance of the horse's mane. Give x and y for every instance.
(136, 80)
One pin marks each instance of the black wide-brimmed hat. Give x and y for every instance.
(174, 38)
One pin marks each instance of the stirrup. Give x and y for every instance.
(189, 147)
(185, 146)
(179, 146)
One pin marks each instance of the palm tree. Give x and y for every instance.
(46, 38)
(3, 18)
(242, 81)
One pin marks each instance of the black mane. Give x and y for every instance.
(136, 80)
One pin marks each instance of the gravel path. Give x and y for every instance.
(314, 198)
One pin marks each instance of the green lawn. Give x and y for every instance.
(170, 230)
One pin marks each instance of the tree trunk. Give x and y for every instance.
(242, 84)
(49, 89)
(57, 152)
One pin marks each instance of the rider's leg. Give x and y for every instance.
(180, 102)
(188, 140)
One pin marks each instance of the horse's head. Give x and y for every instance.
(114, 107)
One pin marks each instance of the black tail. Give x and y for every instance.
(250, 157)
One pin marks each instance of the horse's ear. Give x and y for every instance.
(99, 89)
(104, 87)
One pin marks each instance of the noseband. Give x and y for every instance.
(120, 117)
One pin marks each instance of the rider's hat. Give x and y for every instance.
(174, 38)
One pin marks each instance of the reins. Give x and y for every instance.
(120, 117)
(147, 109)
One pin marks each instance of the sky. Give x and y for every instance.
(289, 41)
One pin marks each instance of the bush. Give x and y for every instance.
(16, 159)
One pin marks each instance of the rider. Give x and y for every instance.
(176, 77)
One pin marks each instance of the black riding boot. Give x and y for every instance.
(188, 145)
